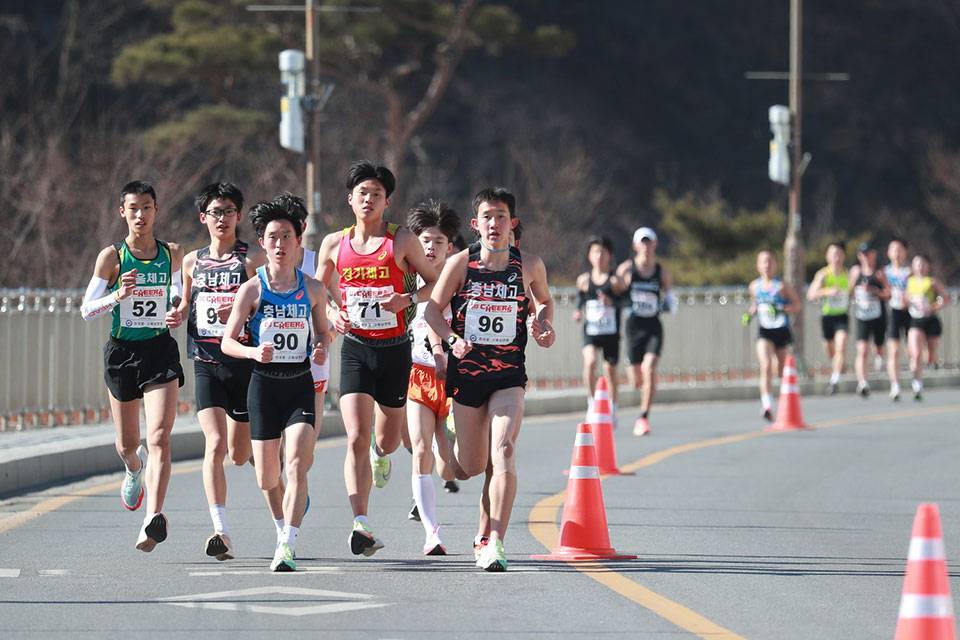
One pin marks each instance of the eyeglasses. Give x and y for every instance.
(229, 212)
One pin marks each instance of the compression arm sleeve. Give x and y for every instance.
(176, 287)
(581, 298)
(95, 303)
(672, 304)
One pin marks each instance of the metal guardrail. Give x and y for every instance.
(51, 361)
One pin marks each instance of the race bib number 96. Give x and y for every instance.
(208, 321)
(491, 322)
(145, 309)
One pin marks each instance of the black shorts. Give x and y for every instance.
(898, 324)
(609, 344)
(277, 403)
(475, 393)
(381, 372)
(831, 324)
(780, 337)
(223, 385)
(929, 325)
(131, 365)
(876, 327)
(644, 335)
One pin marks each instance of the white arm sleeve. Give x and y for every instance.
(94, 302)
(176, 287)
(673, 304)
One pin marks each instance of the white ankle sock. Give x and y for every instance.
(834, 378)
(425, 495)
(218, 513)
(289, 535)
(766, 400)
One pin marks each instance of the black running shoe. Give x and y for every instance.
(451, 486)
(414, 513)
(768, 415)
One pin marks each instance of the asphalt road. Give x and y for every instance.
(738, 534)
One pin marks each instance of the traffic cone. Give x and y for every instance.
(926, 609)
(602, 427)
(789, 415)
(583, 527)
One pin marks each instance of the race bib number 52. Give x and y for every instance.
(145, 309)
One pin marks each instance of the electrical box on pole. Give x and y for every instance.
(778, 167)
(292, 64)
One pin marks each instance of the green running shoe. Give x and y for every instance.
(363, 541)
(492, 558)
(382, 467)
(131, 490)
(283, 559)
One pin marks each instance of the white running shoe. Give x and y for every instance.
(153, 532)
(283, 559)
(479, 544)
(493, 558)
(433, 546)
(220, 546)
(382, 467)
(131, 489)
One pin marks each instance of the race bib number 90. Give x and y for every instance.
(208, 321)
(145, 309)
(290, 338)
(491, 322)
(363, 306)
(770, 316)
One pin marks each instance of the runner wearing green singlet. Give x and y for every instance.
(831, 286)
(138, 280)
(926, 295)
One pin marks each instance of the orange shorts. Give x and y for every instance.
(427, 390)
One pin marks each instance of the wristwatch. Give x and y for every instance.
(452, 339)
(413, 297)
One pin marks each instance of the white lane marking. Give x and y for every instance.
(54, 572)
(347, 601)
(9, 573)
(257, 572)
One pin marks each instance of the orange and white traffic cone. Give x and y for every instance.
(789, 415)
(602, 427)
(926, 609)
(583, 527)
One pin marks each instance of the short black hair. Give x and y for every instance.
(219, 191)
(603, 241)
(365, 170)
(459, 242)
(517, 233)
(434, 213)
(837, 244)
(901, 240)
(285, 206)
(496, 194)
(138, 187)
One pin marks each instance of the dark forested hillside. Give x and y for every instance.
(584, 108)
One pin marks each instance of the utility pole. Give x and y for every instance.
(793, 249)
(314, 103)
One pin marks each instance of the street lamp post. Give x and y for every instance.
(793, 249)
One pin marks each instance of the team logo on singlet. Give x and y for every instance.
(382, 255)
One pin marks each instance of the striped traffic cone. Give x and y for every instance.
(789, 415)
(926, 609)
(583, 527)
(602, 427)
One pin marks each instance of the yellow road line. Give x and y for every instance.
(51, 504)
(543, 526)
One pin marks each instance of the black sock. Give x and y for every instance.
(644, 415)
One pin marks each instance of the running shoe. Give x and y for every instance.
(382, 467)
(863, 389)
(918, 395)
(307, 508)
(768, 415)
(831, 388)
(414, 513)
(479, 544)
(131, 490)
(449, 426)
(283, 559)
(433, 545)
(220, 546)
(641, 427)
(451, 486)
(492, 558)
(895, 394)
(363, 541)
(153, 533)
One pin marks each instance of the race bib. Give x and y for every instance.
(208, 321)
(839, 301)
(491, 322)
(290, 338)
(644, 303)
(145, 309)
(898, 298)
(363, 306)
(920, 306)
(868, 305)
(601, 319)
(770, 316)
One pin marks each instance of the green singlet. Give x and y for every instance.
(836, 304)
(142, 315)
